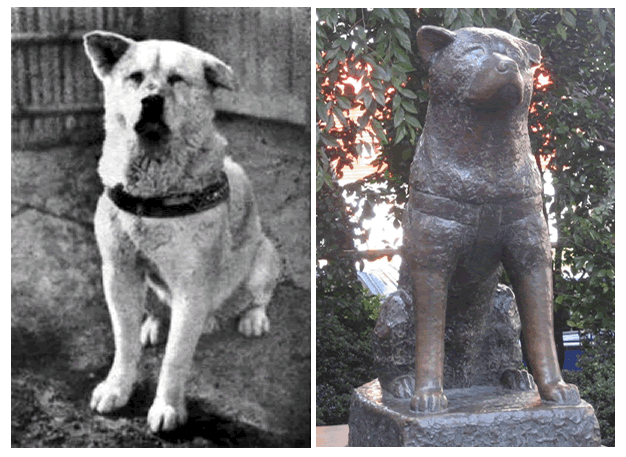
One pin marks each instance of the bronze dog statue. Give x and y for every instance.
(475, 204)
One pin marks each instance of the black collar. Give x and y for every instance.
(174, 205)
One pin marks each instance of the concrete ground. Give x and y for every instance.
(332, 436)
(241, 392)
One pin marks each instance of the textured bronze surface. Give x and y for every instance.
(497, 348)
(474, 205)
(478, 416)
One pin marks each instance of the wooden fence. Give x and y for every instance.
(55, 98)
(269, 49)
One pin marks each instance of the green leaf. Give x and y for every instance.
(379, 96)
(343, 102)
(367, 98)
(329, 140)
(380, 73)
(409, 106)
(352, 15)
(377, 85)
(466, 17)
(515, 27)
(322, 112)
(361, 33)
(449, 16)
(364, 119)
(397, 102)
(339, 113)
(403, 39)
(569, 19)
(406, 92)
(406, 22)
(380, 132)
(413, 121)
(332, 65)
(398, 117)
(400, 134)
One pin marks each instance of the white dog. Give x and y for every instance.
(177, 215)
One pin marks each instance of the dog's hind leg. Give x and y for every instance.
(153, 328)
(261, 283)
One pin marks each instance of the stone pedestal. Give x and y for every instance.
(477, 416)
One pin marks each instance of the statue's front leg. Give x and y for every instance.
(430, 292)
(527, 260)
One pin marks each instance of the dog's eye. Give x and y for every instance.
(136, 77)
(174, 78)
(476, 51)
(515, 55)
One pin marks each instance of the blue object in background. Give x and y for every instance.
(573, 348)
(571, 357)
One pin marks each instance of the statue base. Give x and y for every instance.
(476, 416)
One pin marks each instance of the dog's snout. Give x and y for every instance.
(151, 124)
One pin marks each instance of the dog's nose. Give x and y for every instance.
(505, 64)
(153, 103)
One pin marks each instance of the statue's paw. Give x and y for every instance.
(559, 392)
(403, 386)
(429, 401)
(517, 380)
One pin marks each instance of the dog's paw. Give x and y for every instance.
(254, 322)
(428, 401)
(165, 418)
(559, 392)
(151, 331)
(210, 325)
(109, 396)
(403, 386)
(517, 380)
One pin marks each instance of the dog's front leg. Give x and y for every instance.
(430, 292)
(124, 290)
(168, 411)
(528, 263)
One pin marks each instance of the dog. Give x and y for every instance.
(177, 215)
(475, 203)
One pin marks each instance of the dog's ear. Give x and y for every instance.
(534, 52)
(431, 39)
(104, 50)
(218, 74)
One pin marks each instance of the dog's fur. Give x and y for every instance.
(161, 141)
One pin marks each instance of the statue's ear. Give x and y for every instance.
(534, 52)
(218, 74)
(431, 39)
(105, 49)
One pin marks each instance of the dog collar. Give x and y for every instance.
(174, 205)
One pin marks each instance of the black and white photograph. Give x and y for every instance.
(160, 227)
